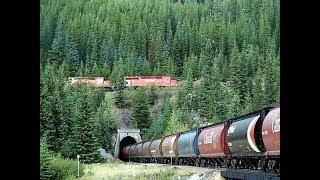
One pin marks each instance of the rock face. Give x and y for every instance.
(122, 117)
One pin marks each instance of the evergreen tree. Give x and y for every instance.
(234, 108)
(156, 127)
(129, 65)
(170, 67)
(95, 70)
(152, 96)
(46, 171)
(238, 74)
(120, 87)
(188, 95)
(145, 68)
(152, 52)
(85, 140)
(72, 56)
(80, 70)
(54, 53)
(172, 123)
(217, 96)
(45, 111)
(202, 98)
(140, 113)
(158, 69)
(248, 105)
(57, 133)
(105, 71)
(104, 124)
(276, 69)
(69, 107)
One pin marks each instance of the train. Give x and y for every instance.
(98, 82)
(250, 141)
(159, 81)
(129, 81)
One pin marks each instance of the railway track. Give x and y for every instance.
(234, 174)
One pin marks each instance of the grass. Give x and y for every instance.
(128, 171)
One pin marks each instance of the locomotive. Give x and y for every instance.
(133, 81)
(160, 81)
(250, 141)
(99, 82)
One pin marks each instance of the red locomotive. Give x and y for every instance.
(160, 81)
(100, 82)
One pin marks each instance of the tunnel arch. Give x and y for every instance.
(124, 142)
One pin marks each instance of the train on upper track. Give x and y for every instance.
(250, 141)
(129, 81)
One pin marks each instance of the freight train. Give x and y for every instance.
(98, 82)
(160, 81)
(132, 81)
(250, 141)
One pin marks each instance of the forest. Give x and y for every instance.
(224, 53)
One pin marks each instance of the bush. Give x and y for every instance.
(65, 168)
(55, 167)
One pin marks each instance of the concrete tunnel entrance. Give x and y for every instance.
(124, 142)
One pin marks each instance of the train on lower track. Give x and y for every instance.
(250, 141)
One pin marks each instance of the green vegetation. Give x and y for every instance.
(226, 54)
(120, 170)
(55, 167)
(73, 120)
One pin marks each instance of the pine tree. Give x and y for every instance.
(158, 69)
(156, 127)
(172, 123)
(188, 95)
(258, 89)
(108, 52)
(202, 98)
(129, 65)
(80, 70)
(104, 124)
(72, 56)
(238, 74)
(170, 67)
(105, 71)
(140, 113)
(45, 110)
(152, 95)
(119, 82)
(69, 107)
(59, 128)
(276, 70)
(63, 73)
(217, 96)
(54, 53)
(248, 105)
(146, 68)
(87, 71)
(234, 108)
(46, 171)
(152, 52)
(95, 70)
(86, 142)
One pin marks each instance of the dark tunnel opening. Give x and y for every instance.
(124, 142)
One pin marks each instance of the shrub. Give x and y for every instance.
(54, 167)
(65, 168)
